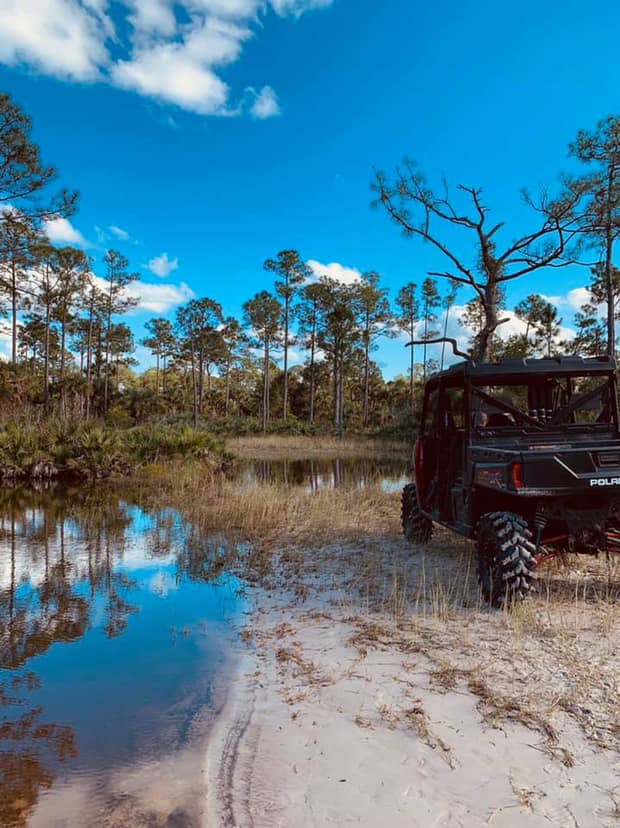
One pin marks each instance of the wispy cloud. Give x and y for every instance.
(165, 50)
(113, 233)
(121, 234)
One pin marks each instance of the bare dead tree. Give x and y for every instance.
(422, 212)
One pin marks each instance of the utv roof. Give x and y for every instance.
(515, 368)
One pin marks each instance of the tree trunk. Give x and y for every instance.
(194, 387)
(157, 374)
(491, 322)
(445, 334)
(365, 404)
(46, 360)
(227, 393)
(338, 389)
(285, 389)
(106, 378)
(62, 346)
(412, 364)
(335, 389)
(89, 357)
(312, 378)
(201, 381)
(266, 386)
(426, 310)
(13, 313)
(609, 244)
(341, 395)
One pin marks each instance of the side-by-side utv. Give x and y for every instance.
(522, 455)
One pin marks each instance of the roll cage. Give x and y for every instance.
(553, 397)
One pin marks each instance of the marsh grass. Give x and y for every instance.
(282, 447)
(271, 514)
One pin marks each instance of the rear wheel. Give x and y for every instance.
(505, 558)
(417, 528)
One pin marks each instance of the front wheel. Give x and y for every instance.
(417, 528)
(505, 558)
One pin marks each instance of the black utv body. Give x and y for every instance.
(524, 456)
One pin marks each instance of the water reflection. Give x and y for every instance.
(330, 473)
(114, 624)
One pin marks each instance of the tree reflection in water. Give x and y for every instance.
(322, 473)
(58, 551)
(30, 749)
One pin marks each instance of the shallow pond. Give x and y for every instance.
(326, 473)
(118, 635)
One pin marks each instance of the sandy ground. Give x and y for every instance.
(377, 691)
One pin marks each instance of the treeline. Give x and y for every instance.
(302, 352)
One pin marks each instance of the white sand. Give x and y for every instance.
(321, 730)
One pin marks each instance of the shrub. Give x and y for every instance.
(148, 444)
(91, 450)
(97, 452)
(21, 447)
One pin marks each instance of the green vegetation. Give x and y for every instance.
(89, 451)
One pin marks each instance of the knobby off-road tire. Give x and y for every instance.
(416, 527)
(505, 558)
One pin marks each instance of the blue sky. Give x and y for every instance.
(221, 131)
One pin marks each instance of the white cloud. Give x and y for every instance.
(162, 266)
(167, 72)
(166, 50)
(159, 298)
(153, 298)
(265, 104)
(61, 230)
(577, 297)
(155, 16)
(64, 38)
(335, 271)
(574, 299)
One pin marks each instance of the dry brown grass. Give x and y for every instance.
(276, 447)
(274, 514)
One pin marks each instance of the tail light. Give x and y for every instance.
(517, 475)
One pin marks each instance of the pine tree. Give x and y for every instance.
(375, 316)
(262, 314)
(292, 272)
(431, 300)
(600, 149)
(407, 319)
(117, 301)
